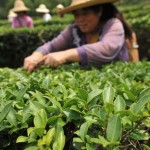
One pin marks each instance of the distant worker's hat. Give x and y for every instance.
(19, 6)
(60, 6)
(79, 4)
(11, 14)
(42, 9)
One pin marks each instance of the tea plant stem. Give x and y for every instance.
(130, 131)
(139, 145)
(133, 144)
(125, 146)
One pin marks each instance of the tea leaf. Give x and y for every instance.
(140, 104)
(61, 141)
(93, 94)
(21, 93)
(35, 107)
(84, 129)
(49, 136)
(5, 111)
(11, 117)
(119, 104)
(114, 128)
(40, 119)
(22, 139)
(101, 140)
(83, 94)
(108, 94)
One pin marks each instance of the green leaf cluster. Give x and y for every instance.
(76, 108)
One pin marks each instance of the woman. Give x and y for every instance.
(44, 11)
(97, 37)
(59, 7)
(21, 20)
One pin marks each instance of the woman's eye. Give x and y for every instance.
(84, 13)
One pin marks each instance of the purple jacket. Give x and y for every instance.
(110, 46)
(22, 21)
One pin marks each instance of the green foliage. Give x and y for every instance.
(32, 4)
(76, 108)
(136, 17)
(15, 45)
(140, 22)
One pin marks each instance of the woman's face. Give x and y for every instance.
(21, 13)
(87, 20)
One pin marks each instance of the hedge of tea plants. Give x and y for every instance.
(139, 17)
(76, 108)
(15, 45)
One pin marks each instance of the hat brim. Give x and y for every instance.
(20, 9)
(9, 16)
(42, 10)
(85, 4)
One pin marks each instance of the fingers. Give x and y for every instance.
(51, 61)
(32, 62)
(29, 65)
(40, 62)
(26, 64)
(47, 61)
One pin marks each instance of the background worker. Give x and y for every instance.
(45, 12)
(22, 19)
(59, 7)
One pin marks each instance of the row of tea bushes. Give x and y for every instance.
(37, 21)
(136, 17)
(16, 44)
(139, 17)
(67, 19)
(76, 108)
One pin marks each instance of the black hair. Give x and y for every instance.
(110, 11)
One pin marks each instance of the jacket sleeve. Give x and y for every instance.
(30, 22)
(61, 42)
(107, 48)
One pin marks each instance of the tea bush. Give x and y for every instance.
(75, 108)
(15, 45)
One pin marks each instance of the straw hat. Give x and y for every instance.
(59, 7)
(42, 9)
(11, 14)
(19, 6)
(78, 4)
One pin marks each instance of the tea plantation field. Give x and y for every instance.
(74, 108)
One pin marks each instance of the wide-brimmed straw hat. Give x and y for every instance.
(78, 4)
(19, 6)
(42, 9)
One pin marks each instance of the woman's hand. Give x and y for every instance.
(57, 58)
(30, 62)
